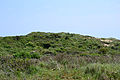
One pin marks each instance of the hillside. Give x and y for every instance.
(54, 43)
(68, 56)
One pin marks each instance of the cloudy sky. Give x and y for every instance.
(99, 18)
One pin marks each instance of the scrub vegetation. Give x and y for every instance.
(59, 56)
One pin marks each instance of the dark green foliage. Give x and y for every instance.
(32, 69)
(59, 56)
(59, 43)
(46, 45)
(103, 50)
(26, 55)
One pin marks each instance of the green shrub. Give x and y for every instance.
(27, 55)
(35, 55)
(22, 55)
(30, 44)
(32, 69)
(103, 51)
(49, 51)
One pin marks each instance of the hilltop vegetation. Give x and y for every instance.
(56, 56)
(55, 43)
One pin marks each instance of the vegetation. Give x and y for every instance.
(59, 56)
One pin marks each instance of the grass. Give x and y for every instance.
(61, 67)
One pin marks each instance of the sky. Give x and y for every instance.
(98, 18)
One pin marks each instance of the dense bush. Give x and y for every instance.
(27, 55)
(103, 50)
(60, 42)
(59, 56)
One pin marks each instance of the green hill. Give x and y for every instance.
(55, 43)
(68, 56)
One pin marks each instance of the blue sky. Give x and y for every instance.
(99, 18)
